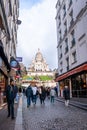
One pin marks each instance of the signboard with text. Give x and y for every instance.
(19, 59)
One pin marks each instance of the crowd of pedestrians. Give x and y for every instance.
(32, 92)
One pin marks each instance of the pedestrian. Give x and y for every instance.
(10, 95)
(66, 94)
(20, 91)
(56, 90)
(48, 93)
(24, 91)
(29, 93)
(34, 89)
(16, 89)
(42, 94)
(52, 94)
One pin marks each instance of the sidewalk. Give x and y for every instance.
(7, 123)
(77, 102)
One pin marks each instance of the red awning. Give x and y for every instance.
(72, 72)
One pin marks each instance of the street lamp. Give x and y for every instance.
(18, 22)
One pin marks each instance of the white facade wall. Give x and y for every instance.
(80, 30)
(11, 8)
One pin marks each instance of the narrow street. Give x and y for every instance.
(53, 117)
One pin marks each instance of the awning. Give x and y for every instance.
(72, 72)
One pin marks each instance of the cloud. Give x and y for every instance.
(38, 30)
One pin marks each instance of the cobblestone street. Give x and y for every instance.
(53, 117)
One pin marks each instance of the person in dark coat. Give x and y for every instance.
(66, 94)
(10, 95)
(29, 94)
(42, 93)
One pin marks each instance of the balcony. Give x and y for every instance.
(73, 42)
(66, 49)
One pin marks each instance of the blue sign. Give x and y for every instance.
(14, 64)
(19, 59)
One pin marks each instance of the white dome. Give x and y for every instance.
(39, 56)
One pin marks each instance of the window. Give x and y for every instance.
(60, 52)
(61, 64)
(67, 63)
(73, 39)
(71, 17)
(70, 3)
(66, 45)
(64, 10)
(65, 26)
(74, 58)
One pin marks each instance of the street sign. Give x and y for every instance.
(19, 59)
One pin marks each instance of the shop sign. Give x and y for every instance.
(19, 59)
(14, 63)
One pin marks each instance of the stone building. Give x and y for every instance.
(39, 66)
(71, 21)
(39, 63)
(9, 12)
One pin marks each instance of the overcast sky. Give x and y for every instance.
(37, 30)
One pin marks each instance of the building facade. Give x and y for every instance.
(9, 12)
(71, 21)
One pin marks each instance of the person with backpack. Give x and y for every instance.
(34, 89)
(29, 95)
(52, 94)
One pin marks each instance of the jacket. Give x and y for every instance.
(66, 94)
(11, 92)
(29, 92)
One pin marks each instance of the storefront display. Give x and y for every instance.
(2, 88)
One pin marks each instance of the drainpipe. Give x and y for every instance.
(70, 85)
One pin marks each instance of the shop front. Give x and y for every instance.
(76, 79)
(79, 85)
(3, 82)
(4, 74)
